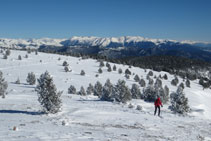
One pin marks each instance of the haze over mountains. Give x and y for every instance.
(116, 47)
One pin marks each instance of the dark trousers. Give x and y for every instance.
(157, 107)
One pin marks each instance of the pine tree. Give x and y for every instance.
(31, 79)
(107, 64)
(65, 63)
(187, 83)
(175, 81)
(149, 93)
(109, 68)
(136, 78)
(114, 68)
(48, 96)
(179, 103)
(120, 71)
(5, 56)
(136, 92)
(100, 70)
(165, 97)
(151, 81)
(67, 69)
(122, 92)
(8, 52)
(182, 85)
(82, 91)
(127, 71)
(142, 83)
(17, 81)
(165, 77)
(150, 73)
(101, 64)
(71, 90)
(98, 88)
(107, 92)
(90, 89)
(3, 85)
(82, 72)
(19, 57)
(158, 83)
(127, 76)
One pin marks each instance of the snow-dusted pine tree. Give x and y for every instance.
(31, 79)
(67, 69)
(107, 92)
(100, 70)
(82, 91)
(187, 83)
(165, 77)
(82, 72)
(136, 78)
(120, 71)
(98, 88)
(65, 63)
(136, 92)
(150, 73)
(127, 76)
(179, 103)
(19, 57)
(166, 94)
(151, 81)
(175, 81)
(122, 92)
(90, 89)
(3, 85)
(109, 68)
(48, 96)
(182, 85)
(149, 93)
(101, 64)
(71, 90)
(114, 68)
(127, 71)
(107, 64)
(26, 56)
(158, 83)
(142, 83)
(17, 81)
(8, 52)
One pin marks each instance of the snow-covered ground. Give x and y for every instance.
(87, 118)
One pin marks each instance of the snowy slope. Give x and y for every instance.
(87, 118)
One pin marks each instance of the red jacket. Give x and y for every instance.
(158, 102)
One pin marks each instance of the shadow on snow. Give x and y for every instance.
(21, 112)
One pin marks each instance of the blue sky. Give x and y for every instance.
(167, 19)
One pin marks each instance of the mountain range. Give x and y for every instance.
(116, 47)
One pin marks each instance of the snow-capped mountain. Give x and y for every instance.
(124, 41)
(29, 43)
(116, 47)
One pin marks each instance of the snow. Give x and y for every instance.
(87, 118)
(29, 43)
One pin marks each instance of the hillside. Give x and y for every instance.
(86, 117)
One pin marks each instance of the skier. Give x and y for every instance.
(158, 103)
